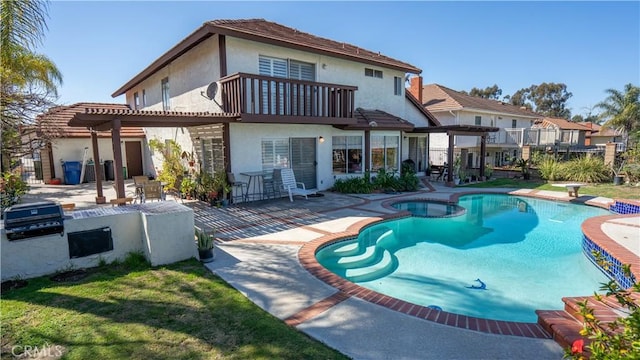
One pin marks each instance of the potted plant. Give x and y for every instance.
(524, 168)
(488, 171)
(187, 187)
(205, 245)
(618, 177)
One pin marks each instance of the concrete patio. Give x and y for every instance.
(257, 253)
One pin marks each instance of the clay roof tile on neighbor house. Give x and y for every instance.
(440, 98)
(55, 121)
(563, 124)
(264, 31)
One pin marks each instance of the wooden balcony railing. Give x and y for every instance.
(265, 95)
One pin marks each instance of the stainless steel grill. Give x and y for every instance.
(34, 219)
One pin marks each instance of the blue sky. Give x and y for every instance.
(590, 46)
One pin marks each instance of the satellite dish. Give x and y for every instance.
(212, 90)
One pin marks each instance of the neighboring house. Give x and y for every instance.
(69, 143)
(599, 136)
(565, 133)
(451, 107)
(247, 95)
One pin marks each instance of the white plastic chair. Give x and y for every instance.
(292, 186)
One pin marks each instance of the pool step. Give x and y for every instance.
(371, 272)
(347, 250)
(565, 325)
(360, 260)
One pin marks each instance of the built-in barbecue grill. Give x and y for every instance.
(34, 219)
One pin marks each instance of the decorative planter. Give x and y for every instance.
(205, 255)
(618, 180)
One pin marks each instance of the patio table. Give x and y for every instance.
(254, 184)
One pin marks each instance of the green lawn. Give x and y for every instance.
(132, 311)
(605, 190)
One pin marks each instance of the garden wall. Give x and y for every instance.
(162, 231)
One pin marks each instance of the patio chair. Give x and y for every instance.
(241, 185)
(152, 190)
(292, 186)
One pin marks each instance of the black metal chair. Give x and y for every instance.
(241, 185)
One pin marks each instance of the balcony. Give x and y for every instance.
(271, 99)
(533, 137)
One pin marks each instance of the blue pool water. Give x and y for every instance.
(502, 259)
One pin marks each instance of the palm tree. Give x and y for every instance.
(621, 111)
(28, 80)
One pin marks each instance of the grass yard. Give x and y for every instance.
(605, 190)
(133, 311)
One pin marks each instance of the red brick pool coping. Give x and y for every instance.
(592, 228)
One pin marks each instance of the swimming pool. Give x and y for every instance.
(502, 259)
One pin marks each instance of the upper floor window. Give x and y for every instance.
(144, 98)
(136, 101)
(514, 123)
(478, 120)
(397, 85)
(373, 73)
(166, 99)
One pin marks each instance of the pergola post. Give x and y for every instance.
(450, 159)
(117, 157)
(367, 150)
(100, 199)
(483, 154)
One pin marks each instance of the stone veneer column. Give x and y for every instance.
(610, 154)
(526, 152)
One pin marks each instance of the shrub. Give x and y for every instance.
(632, 171)
(589, 169)
(172, 168)
(550, 169)
(12, 187)
(385, 181)
(354, 185)
(621, 340)
(408, 180)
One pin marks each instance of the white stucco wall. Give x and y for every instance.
(372, 93)
(72, 149)
(163, 231)
(190, 75)
(44, 255)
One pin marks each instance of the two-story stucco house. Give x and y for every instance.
(249, 95)
(451, 107)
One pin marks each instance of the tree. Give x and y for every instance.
(548, 99)
(621, 111)
(28, 80)
(490, 92)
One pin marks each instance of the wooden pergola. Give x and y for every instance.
(96, 119)
(460, 130)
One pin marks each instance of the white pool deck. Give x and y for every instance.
(265, 268)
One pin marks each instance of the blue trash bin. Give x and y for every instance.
(72, 171)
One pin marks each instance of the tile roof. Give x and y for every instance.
(562, 124)
(264, 31)
(377, 120)
(597, 130)
(54, 123)
(436, 98)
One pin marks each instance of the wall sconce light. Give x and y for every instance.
(321, 139)
(324, 66)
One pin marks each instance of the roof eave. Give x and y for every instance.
(207, 30)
